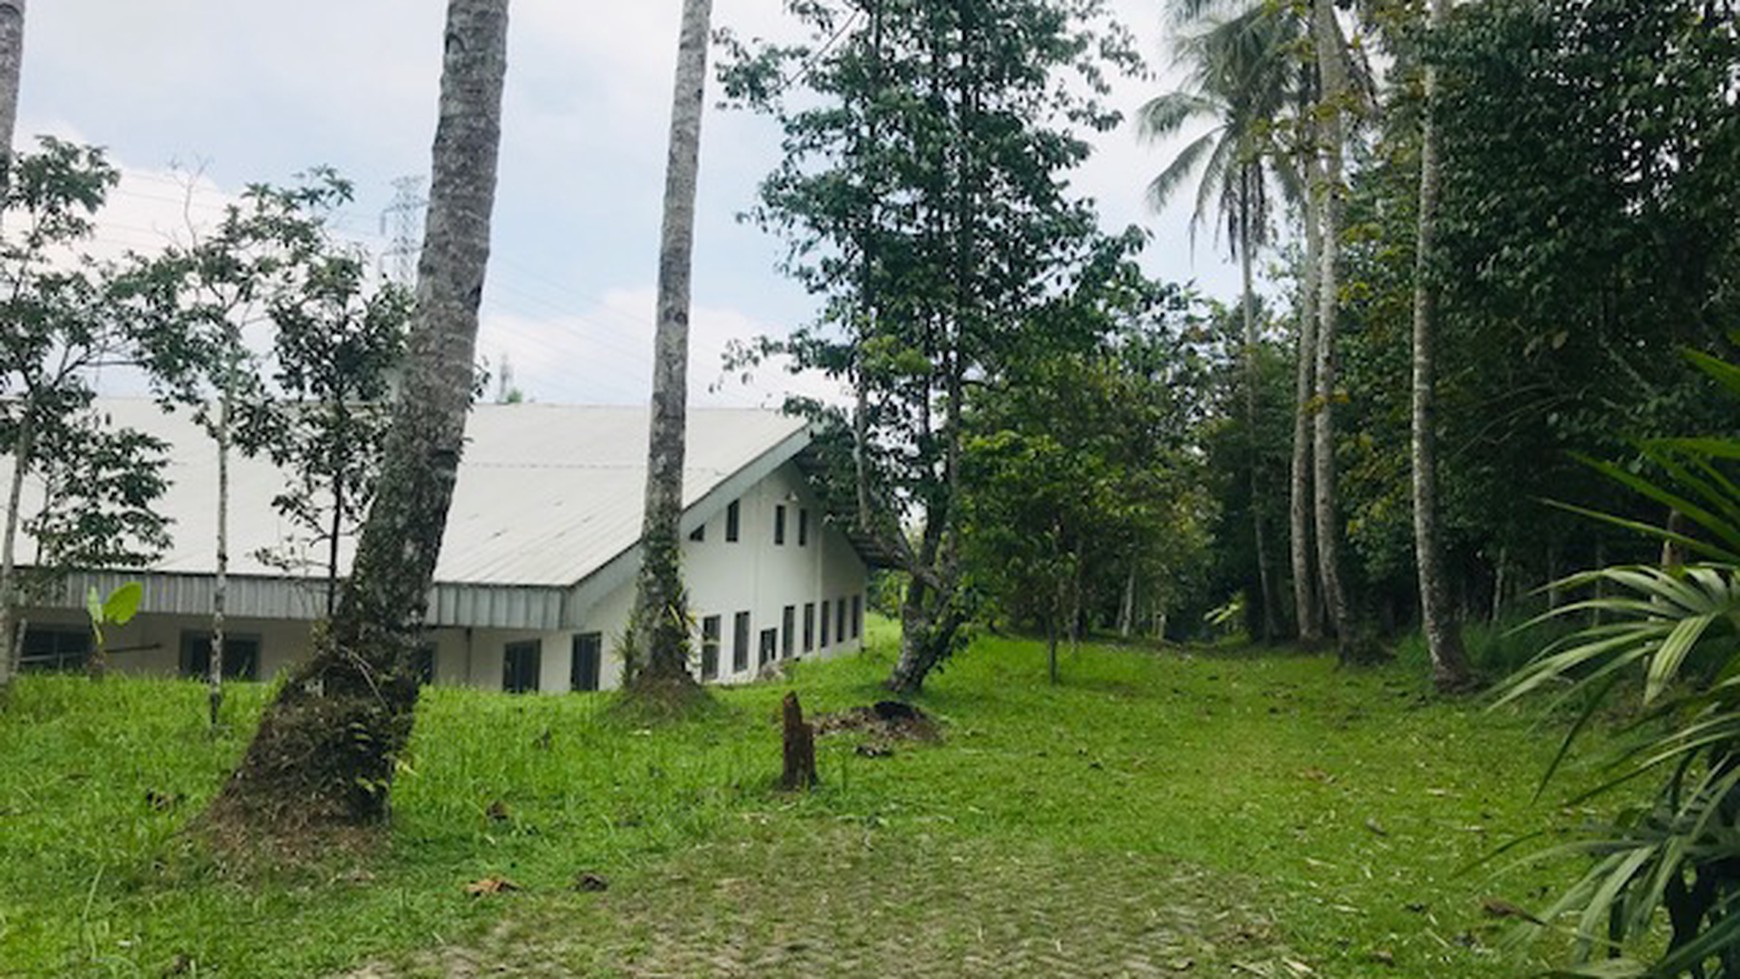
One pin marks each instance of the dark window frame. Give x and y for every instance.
(699, 534)
(235, 667)
(803, 527)
(766, 647)
(710, 637)
(779, 525)
(577, 678)
(840, 619)
(809, 627)
(825, 618)
(70, 648)
(733, 522)
(740, 642)
(788, 623)
(508, 670)
(857, 616)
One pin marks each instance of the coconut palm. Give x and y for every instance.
(328, 746)
(659, 633)
(1240, 76)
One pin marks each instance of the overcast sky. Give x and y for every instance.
(246, 91)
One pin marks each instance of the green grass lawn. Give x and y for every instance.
(1160, 812)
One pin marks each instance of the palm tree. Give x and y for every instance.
(328, 745)
(1240, 77)
(659, 632)
(1326, 193)
(1437, 616)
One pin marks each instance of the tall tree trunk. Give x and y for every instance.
(1299, 510)
(1438, 619)
(328, 745)
(220, 588)
(1127, 608)
(11, 67)
(1265, 586)
(659, 634)
(23, 451)
(11, 64)
(1332, 69)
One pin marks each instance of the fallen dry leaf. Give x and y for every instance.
(490, 885)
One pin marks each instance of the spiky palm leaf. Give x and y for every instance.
(1678, 630)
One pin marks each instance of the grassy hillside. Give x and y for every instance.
(1160, 812)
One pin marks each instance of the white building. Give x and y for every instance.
(537, 567)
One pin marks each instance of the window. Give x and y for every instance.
(55, 648)
(699, 533)
(731, 522)
(710, 648)
(520, 666)
(809, 626)
(788, 630)
(840, 620)
(824, 623)
(241, 656)
(779, 524)
(769, 646)
(588, 658)
(857, 616)
(803, 527)
(423, 664)
(740, 643)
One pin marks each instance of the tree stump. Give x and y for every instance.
(800, 748)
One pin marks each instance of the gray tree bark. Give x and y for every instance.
(11, 64)
(11, 67)
(215, 667)
(328, 745)
(1332, 70)
(1265, 586)
(23, 450)
(658, 647)
(1299, 510)
(1438, 618)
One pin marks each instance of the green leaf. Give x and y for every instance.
(123, 603)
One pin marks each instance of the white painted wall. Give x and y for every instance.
(752, 574)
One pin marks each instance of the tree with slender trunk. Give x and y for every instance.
(1330, 51)
(658, 642)
(1438, 618)
(11, 64)
(1239, 75)
(329, 744)
(1299, 504)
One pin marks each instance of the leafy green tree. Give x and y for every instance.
(338, 337)
(66, 316)
(216, 294)
(328, 745)
(922, 194)
(1073, 471)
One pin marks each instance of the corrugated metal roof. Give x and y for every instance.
(547, 494)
